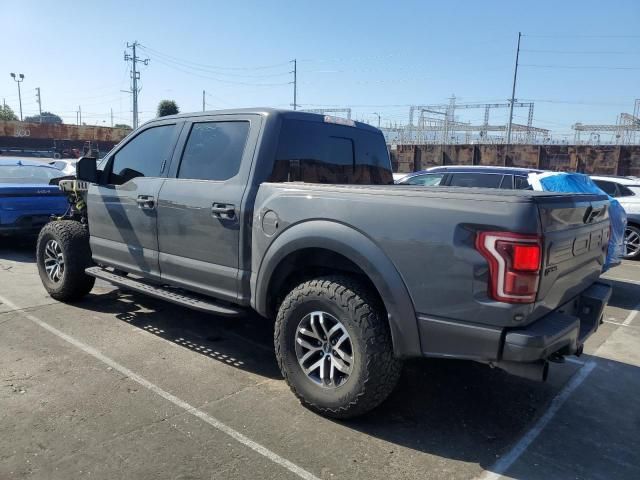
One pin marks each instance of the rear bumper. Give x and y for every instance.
(562, 331)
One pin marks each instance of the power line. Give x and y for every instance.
(577, 67)
(581, 52)
(208, 77)
(213, 67)
(581, 36)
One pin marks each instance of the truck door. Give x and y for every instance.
(201, 216)
(122, 212)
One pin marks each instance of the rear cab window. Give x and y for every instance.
(318, 152)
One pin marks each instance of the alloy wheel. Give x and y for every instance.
(324, 349)
(53, 261)
(631, 242)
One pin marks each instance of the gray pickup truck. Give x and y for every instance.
(294, 215)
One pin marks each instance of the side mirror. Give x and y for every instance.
(86, 169)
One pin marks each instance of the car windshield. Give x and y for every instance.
(27, 174)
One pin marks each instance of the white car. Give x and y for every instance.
(627, 191)
(67, 167)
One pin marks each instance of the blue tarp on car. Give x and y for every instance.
(579, 183)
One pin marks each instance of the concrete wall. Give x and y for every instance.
(591, 159)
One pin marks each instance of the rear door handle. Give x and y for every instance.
(146, 201)
(223, 210)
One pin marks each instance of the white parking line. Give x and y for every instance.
(502, 465)
(632, 314)
(217, 424)
(628, 280)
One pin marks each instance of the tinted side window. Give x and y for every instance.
(143, 155)
(521, 183)
(327, 153)
(624, 191)
(214, 150)
(507, 182)
(608, 187)
(429, 180)
(486, 180)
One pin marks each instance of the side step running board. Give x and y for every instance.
(196, 302)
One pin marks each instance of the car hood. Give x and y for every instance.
(29, 189)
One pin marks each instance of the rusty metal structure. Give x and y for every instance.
(56, 139)
(590, 159)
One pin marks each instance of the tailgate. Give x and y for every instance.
(575, 230)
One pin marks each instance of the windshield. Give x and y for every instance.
(27, 174)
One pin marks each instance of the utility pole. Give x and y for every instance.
(513, 92)
(18, 80)
(295, 83)
(111, 111)
(203, 93)
(135, 76)
(39, 102)
(79, 115)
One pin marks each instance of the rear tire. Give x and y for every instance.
(361, 335)
(62, 254)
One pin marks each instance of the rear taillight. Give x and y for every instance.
(514, 265)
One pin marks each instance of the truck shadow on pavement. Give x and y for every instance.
(245, 343)
(18, 249)
(448, 408)
(625, 294)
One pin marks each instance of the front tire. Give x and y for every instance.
(333, 346)
(62, 254)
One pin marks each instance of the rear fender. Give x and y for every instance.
(362, 251)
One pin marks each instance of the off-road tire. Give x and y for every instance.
(375, 369)
(73, 238)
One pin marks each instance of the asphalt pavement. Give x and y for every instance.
(123, 386)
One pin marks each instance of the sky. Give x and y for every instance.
(579, 60)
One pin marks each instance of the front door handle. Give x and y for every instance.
(223, 210)
(146, 201)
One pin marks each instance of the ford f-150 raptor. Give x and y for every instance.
(295, 216)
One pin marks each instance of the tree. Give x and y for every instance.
(47, 117)
(122, 125)
(7, 114)
(167, 107)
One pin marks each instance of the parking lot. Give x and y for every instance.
(123, 386)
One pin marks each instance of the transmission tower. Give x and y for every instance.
(135, 76)
(624, 132)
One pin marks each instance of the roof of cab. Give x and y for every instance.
(266, 112)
